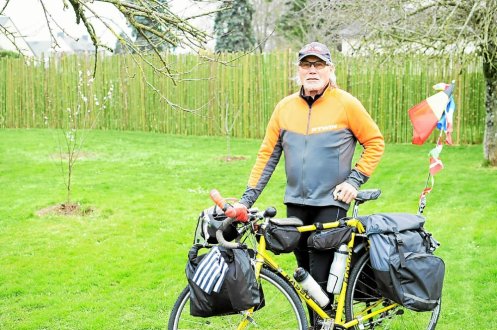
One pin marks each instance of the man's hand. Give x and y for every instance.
(345, 192)
(238, 212)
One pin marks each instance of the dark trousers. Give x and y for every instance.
(317, 263)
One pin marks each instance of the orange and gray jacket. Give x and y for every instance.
(318, 140)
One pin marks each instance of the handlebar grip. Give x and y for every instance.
(218, 199)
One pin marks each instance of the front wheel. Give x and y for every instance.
(282, 309)
(363, 297)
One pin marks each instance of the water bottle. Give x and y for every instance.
(312, 287)
(337, 270)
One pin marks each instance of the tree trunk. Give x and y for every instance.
(490, 139)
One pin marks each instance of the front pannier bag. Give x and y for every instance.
(401, 254)
(282, 235)
(221, 282)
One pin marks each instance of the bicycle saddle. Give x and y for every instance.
(367, 195)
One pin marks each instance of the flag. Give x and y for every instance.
(425, 115)
(211, 272)
(436, 164)
(446, 122)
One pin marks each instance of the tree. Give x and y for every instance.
(454, 27)
(155, 25)
(264, 21)
(228, 123)
(80, 119)
(233, 26)
(147, 40)
(152, 20)
(304, 21)
(9, 53)
(293, 25)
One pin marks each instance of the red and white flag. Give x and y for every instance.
(436, 164)
(425, 115)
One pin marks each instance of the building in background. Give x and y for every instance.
(11, 39)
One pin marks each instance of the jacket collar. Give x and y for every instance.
(309, 99)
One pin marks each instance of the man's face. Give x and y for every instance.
(316, 76)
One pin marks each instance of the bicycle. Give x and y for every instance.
(359, 304)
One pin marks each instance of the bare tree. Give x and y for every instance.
(228, 123)
(304, 21)
(80, 119)
(163, 28)
(455, 27)
(264, 21)
(154, 22)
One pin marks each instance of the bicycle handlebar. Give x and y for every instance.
(220, 236)
(362, 196)
(226, 207)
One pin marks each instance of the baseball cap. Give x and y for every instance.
(316, 49)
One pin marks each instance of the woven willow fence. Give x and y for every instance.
(246, 90)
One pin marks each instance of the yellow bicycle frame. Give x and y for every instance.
(263, 257)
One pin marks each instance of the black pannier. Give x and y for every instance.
(329, 239)
(282, 235)
(239, 290)
(401, 254)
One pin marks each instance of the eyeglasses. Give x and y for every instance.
(317, 64)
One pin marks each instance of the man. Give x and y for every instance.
(317, 129)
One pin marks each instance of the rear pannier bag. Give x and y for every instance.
(401, 254)
(329, 239)
(239, 290)
(282, 235)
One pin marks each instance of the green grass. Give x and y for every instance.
(122, 267)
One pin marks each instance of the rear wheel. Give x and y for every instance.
(282, 309)
(362, 295)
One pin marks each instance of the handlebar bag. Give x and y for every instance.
(282, 235)
(209, 221)
(239, 290)
(401, 254)
(329, 239)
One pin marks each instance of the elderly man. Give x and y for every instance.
(317, 129)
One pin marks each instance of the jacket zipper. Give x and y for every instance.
(304, 195)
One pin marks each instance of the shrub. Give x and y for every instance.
(9, 53)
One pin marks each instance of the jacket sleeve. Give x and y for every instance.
(369, 136)
(267, 158)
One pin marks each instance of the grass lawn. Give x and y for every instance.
(122, 266)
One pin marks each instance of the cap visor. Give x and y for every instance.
(315, 54)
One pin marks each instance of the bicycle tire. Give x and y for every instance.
(282, 310)
(362, 293)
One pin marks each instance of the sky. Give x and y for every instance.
(28, 17)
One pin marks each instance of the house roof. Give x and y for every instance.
(16, 45)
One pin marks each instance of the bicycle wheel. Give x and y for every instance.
(362, 294)
(282, 310)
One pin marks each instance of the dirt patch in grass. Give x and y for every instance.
(80, 155)
(232, 158)
(66, 209)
